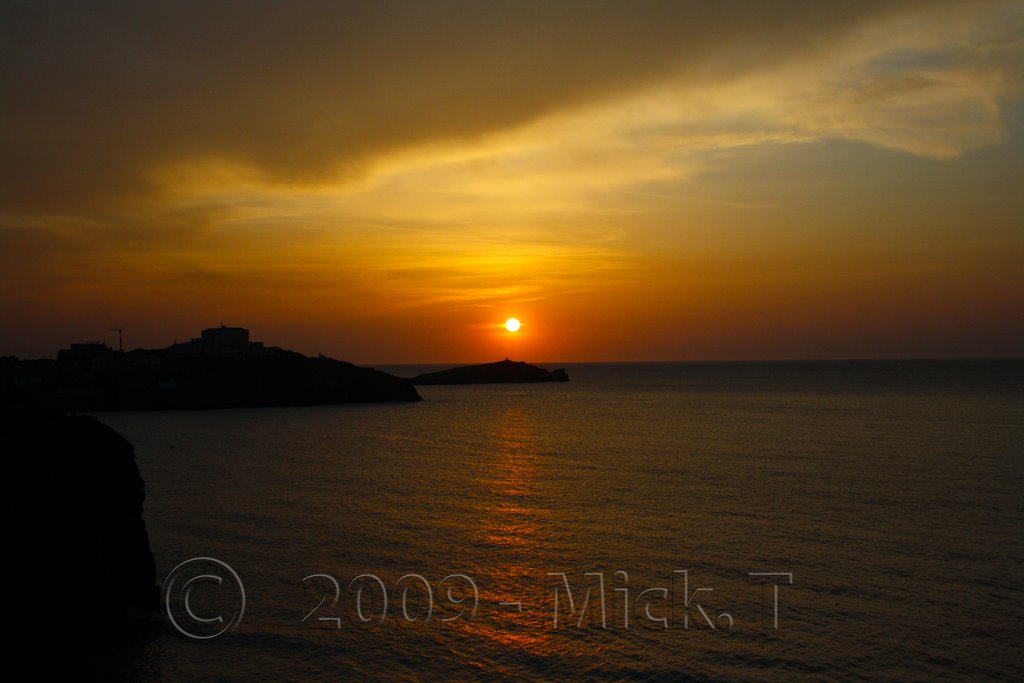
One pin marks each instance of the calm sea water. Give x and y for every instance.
(890, 492)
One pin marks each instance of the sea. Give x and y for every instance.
(853, 521)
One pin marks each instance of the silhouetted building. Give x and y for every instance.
(83, 352)
(87, 356)
(221, 341)
(225, 337)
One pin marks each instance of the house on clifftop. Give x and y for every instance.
(222, 341)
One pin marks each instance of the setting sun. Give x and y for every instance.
(512, 325)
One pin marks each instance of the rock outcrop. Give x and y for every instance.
(505, 371)
(79, 552)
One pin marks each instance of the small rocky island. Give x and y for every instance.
(220, 369)
(505, 371)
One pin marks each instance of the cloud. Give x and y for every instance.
(325, 161)
(99, 94)
(930, 84)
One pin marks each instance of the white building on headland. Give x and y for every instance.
(221, 341)
(225, 337)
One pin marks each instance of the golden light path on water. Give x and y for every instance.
(512, 513)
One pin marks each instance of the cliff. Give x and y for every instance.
(79, 552)
(505, 371)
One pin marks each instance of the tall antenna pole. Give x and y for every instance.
(120, 337)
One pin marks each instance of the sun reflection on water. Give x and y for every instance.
(513, 518)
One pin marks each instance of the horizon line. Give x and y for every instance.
(861, 359)
(784, 359)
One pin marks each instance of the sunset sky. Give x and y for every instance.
(389, 181)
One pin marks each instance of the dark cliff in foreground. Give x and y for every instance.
(505, 371)
(92, 377)
(78, 549)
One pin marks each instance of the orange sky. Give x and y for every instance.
(388, 182)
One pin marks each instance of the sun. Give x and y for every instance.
(512, 325)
